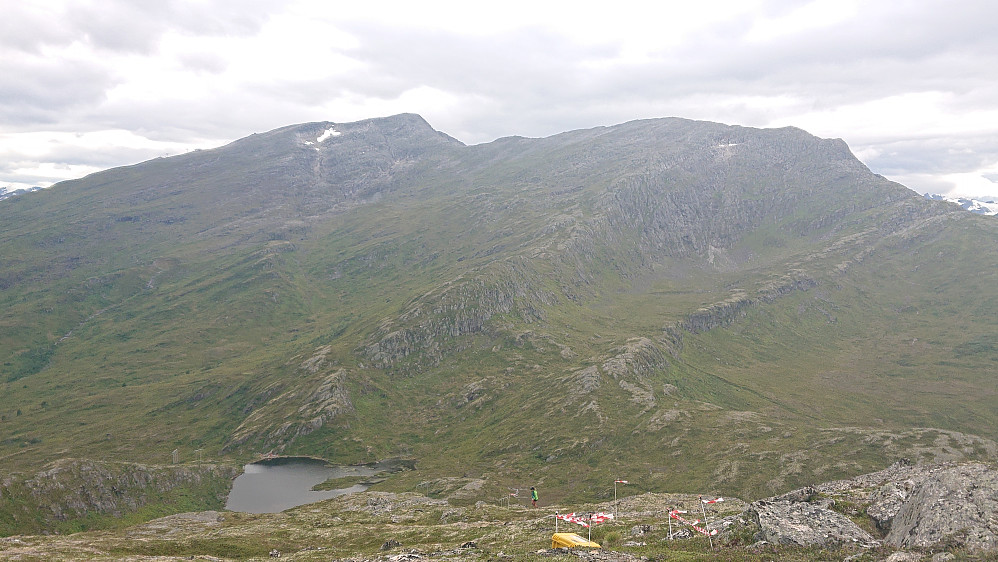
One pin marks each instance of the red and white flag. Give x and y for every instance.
(712, 501)
(621, 482)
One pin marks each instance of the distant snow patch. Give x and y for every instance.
(330, 132)
(988, 206)
(727, 145)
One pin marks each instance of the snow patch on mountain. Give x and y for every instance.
(330, 132)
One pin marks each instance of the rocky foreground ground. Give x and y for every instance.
(906, 512)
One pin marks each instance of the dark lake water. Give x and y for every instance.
(275, 485)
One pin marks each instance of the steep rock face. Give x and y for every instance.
(426, 329)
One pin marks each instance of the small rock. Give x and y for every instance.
(470, 544)
(680, 534)
(805, 494)
(902, 556)
(390, 544)
(273, 554)
(943, 557)
(640, 530)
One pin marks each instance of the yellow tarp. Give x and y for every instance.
(570, 540)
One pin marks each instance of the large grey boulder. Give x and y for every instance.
(957, 504)
(805, 524)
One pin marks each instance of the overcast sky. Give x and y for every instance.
(911, 85)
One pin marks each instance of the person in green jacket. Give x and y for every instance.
(533, 496)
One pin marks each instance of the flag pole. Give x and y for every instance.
(703, 509)
(615, 482)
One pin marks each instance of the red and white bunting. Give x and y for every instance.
(585, 519)
(621, 482)
(573, 518)
(712, 501)
(600, 517)
(695, 523)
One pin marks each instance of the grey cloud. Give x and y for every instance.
(125, 25)
(45, 89)
(27, 31)
(935, 155)
(534, 72)
(129, 25)
(204, 62)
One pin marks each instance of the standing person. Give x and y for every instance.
(533, 496)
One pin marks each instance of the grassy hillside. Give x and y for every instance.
(693, 305)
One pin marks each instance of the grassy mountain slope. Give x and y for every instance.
(695, 305)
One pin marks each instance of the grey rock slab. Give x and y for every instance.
(958, 505)
(805, 524)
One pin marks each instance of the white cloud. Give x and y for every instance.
(42, 158)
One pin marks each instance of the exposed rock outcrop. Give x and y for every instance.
(955, 504)
(805, 524)
(305, 407)
(915, 506)
(919, 506)
(424, 332)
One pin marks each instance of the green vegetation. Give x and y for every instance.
(342, 482)
(621, 302)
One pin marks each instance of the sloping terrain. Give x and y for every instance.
(695, 305)
(905, 512)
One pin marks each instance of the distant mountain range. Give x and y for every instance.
(985, 206)
(686, 304)
(6, 192)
